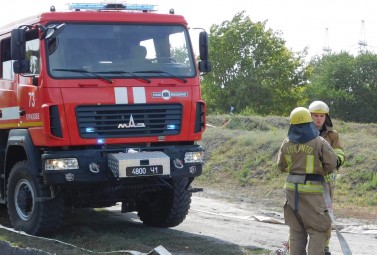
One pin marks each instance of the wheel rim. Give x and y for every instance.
(24, 198)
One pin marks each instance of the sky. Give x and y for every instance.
(316, 24)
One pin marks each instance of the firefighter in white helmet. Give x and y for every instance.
(307, 158)
(321, 118)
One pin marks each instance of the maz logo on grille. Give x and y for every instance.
(131, 124)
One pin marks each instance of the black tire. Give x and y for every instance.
(27, 213)
(166, 208)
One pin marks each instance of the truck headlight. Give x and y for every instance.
(194, 157)
(61, 164)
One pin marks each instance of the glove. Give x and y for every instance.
(338, 163)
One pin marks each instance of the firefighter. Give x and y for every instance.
(321, 118)
(307, 158)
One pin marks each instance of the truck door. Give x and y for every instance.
(28, 86)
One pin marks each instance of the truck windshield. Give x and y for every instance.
(120, 50)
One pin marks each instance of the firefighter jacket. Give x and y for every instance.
(302, 157)
(332, 137)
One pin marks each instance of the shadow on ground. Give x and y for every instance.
(88, 231)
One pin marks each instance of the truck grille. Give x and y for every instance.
(112, 121)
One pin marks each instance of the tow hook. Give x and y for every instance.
(178, 163)
(192, 190)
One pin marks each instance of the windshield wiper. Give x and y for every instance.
(84, 72)
(169, 75)
(131, 73)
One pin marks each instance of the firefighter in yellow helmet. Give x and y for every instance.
(307, 158)
(321, 118)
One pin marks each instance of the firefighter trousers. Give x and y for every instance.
(310, 221)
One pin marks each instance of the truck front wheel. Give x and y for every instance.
(30, 207)
(166, 208)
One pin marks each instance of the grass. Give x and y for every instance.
(241, 158)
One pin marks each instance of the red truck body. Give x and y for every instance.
(99, 107)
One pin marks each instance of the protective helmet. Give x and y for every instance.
(300, 115)
(319, 107)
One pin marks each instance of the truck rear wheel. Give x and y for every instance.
(29, 207)
(166, 208)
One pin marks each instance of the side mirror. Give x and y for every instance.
(203, 45)
(18, 44)
(205, 66)
(204, 63)
(21, 66)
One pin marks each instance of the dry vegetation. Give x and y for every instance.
(241, 159)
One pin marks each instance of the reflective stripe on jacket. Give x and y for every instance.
(313, 157)
(308, 187)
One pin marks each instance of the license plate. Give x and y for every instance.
(144, 170)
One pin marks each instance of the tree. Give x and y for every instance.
(347, 83)
(331, 82)
(252, 69)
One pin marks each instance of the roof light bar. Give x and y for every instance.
(141, 7)
(86, 6)
(112, 6)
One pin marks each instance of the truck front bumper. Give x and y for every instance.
(114, 165)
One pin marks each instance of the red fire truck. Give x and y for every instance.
(99, 105)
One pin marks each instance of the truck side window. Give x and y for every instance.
(33, 55)
(6, 70)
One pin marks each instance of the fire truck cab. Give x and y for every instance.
(100, 104)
